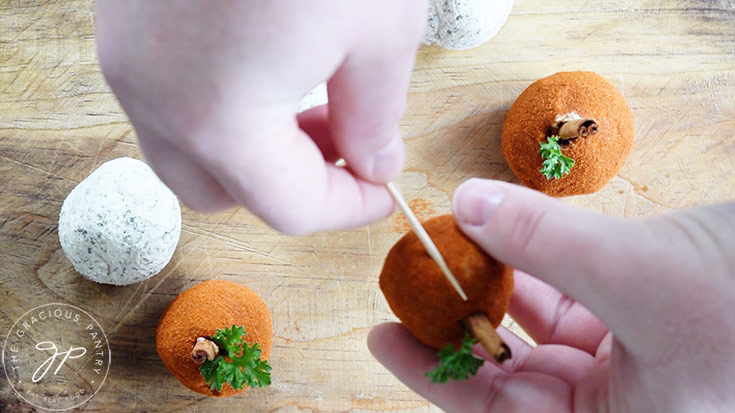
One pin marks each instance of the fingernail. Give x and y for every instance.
(388, 160)
(475, 201)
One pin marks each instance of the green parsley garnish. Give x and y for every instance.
(239, 365)
(555, 164)
(456, 364)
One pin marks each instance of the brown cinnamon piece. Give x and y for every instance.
(483, 330)
(204, 349)
(577, 128)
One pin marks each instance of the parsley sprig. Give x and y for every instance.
(555, 164)
(240, 364)
(456, 364)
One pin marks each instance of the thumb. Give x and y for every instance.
(586, 255)
(367, 94)
(660, 285)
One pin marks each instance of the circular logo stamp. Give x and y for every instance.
(56, 356)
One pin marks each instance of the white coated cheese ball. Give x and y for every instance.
(316, 97)
(464, 24)
(121, 224)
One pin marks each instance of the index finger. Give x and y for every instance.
(283, 177)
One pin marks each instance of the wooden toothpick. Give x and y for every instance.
(420, 233)
(424, 238)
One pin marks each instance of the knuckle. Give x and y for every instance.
(563, 306)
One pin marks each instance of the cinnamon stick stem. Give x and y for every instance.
(481, 327)
(578, 128)
(204, 349)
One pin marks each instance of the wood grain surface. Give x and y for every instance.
(674, 61)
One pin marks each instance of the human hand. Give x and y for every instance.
(212, 89)
(636, 315)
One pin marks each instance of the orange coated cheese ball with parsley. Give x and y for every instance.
(421, 297)
(568, 134)
(211, 327)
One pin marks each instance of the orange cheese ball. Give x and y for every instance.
(198, 312)
(423, 299)
(597, 158)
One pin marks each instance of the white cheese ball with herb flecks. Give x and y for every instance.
(316, 97)
(464, 24)
(121, 224)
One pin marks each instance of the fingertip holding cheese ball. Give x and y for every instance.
(597, 143)
(422, 298)
(121, 224)
(464, 24)
(199, 312)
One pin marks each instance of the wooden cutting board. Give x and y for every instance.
(674, 61)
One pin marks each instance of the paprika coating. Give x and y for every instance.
(597, 158)
(198, 312)
(422, 298)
